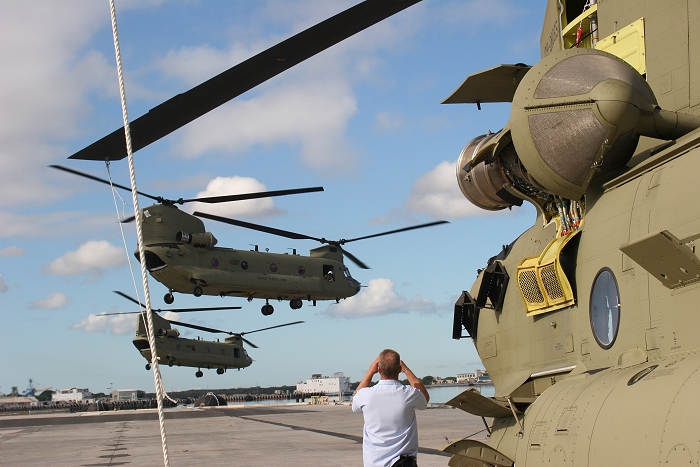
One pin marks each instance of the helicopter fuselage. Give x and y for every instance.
(182, 256)
(196, 353)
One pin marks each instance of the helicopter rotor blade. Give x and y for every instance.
(354, 259)
(173, 310)
(200, 328)
(249, 343)
(101, 180)
(261, 194)
(258, 227)
(190, 105)
(271, 327)
(413, 227)
(131, 299)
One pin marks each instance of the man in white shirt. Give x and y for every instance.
(390, 435)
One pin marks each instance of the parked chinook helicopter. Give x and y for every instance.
(587, 323)
(181, 255)
(196, 353)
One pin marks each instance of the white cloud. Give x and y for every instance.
(312, 114)
(12, 251)
(118, 325)
(91, 257)
(379, 298)
(49, 225)
(437, 194)
(3, 286)
(52, 301)
(220, 186)
(308, 107)
(47, 78)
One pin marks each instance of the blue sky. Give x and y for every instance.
(362, 119)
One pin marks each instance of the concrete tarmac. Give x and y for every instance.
(292, 434)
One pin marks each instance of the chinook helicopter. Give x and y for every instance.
(196, 353)
(180, 253)
(184, 257)
(587, 323)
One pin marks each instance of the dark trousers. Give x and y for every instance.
(406, 461)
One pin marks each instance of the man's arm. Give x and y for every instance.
(367, 379)
(414, 381)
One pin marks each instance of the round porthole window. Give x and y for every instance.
(605, 308)
(244, 265)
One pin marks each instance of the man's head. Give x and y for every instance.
(389, 364)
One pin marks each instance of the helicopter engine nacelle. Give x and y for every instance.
(577, 113)
(199, 240)
(168, 333)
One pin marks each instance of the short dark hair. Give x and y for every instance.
(390, 363)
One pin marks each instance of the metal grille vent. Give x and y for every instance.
(552, 287)
(568, 141)
(580, 73)
(527, 280)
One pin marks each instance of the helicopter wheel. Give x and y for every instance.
(295, 303)
(199, 374)
(220, 371)
(198, 291)
(267, 309)
(168, 298)
(148, 366)
(170, 363)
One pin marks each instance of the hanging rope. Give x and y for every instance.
(139, 233)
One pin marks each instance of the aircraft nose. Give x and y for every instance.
(357, 286)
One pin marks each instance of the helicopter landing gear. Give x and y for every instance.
(199, 374)
(267, 309)
(148, 366)
(169, 298)
(170, 363)
(220, 371)
(295, 303)
(197, 291)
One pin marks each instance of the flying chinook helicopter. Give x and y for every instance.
(587, 323)
(195, 353)
(181, 255)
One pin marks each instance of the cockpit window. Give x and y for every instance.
(605, 308)
(346, 272)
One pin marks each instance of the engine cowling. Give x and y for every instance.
(576, 114)
(198, 240)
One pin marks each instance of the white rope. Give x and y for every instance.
(139, 232)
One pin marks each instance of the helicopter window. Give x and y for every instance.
(244, 265)
(223, 351)
(605, 308)
(302, 270)
(328, 273)
(208, 350)
(236, 353)
(273, 267)
(346, 272)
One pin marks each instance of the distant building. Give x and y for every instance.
(71, 395)
(124, 395)
(477, 377)
(24, 401)
(325, 384)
